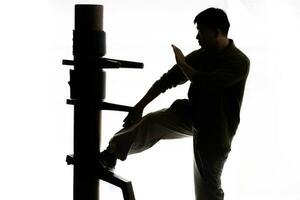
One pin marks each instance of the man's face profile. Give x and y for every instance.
(206, 37)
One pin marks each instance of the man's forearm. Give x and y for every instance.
(152, 93)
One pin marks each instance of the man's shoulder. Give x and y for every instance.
(236, 53)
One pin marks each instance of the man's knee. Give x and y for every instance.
(154, 117)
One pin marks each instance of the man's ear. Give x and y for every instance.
(218, 32)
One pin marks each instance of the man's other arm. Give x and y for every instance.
(229, 72)
(168, 80)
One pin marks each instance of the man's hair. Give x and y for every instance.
(213, 18)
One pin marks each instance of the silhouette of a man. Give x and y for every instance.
(217, 73)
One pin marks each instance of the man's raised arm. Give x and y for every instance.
(170, 79)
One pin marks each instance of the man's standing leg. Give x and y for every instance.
(208, 169)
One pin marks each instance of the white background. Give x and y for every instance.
(36, 124)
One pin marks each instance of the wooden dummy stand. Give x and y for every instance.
(87, 85)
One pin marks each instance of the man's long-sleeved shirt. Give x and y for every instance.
(215, 95)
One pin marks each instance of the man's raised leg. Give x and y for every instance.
(162, 124)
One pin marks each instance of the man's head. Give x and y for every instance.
(213, 26)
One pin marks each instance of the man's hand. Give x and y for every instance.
(180, 59)
(134, 116)
(186, 69)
